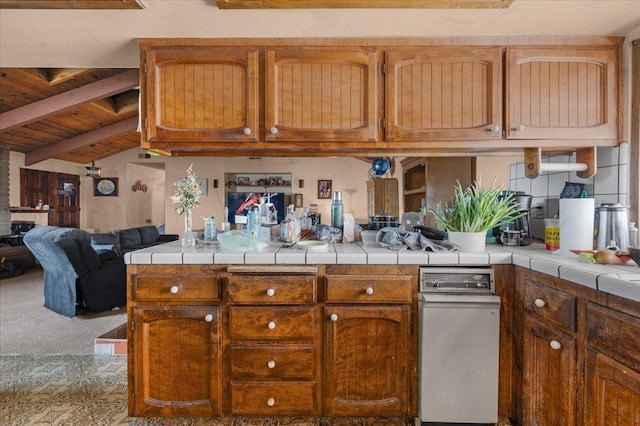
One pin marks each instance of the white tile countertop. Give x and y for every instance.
(620, 280)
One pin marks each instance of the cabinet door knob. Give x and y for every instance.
(334, 317)
(271, 364)
(247, 131)
(271, 292)
(494, 128)
(271, 325)
(174, 289)
(555, 344)
(271, 402)
(539, 303)
(208, 318)
(519, 128)
(274, 130)
(369, 291)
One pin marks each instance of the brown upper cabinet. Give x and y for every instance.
(562, 93)
(369, 97)
(319, 94)
(444, 93)
(201, 94)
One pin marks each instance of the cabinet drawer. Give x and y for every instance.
(369, 289)
(273, 362)
(551, 304)
(272, 323)
(618, 332)
(272, 289)
(181, 288)
(269, 398)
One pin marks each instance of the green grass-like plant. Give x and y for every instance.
(476, 209)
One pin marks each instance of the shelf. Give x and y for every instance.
(420, 190)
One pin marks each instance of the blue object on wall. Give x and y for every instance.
(380, 166)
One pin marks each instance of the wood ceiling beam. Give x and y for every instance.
(80, 141)
(52, 105)
(71, 4)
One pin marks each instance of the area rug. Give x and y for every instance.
(27, 327)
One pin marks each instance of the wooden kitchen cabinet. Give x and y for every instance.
(367, 345)
(382, 196)
(444, 93)
(174, 340)
(208, 94)
(321, 94)
(562, 92)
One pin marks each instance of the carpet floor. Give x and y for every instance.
(27, 327)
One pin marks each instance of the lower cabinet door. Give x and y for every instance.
(366, 360)
(550, 371)
(613, 393)
(177, 361)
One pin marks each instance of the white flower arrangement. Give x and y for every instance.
(187, 192)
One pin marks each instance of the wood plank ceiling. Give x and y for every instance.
(60, 113)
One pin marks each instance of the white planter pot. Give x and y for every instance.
(468, 241)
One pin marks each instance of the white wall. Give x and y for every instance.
(130, 208)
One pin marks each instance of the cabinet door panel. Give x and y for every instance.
(177, 361)
(201, 94)
(561, 92)
(435, 93)
(549, 376)
(321, 94)
(614, 394)
(366, 360)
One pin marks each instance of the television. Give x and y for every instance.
(240, 202)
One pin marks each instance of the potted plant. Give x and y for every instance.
(473, 211)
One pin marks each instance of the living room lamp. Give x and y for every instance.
(92, 170)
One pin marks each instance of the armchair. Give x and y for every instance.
(76, 277)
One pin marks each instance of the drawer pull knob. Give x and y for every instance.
(174, 289)
(208, 318)
(274, 130)
(271, 325)
(271, 292)
(540, 303)
(555, 344)
(271, 364)
(369, 291)
(271, 402)
(247, 131)
(334, 317)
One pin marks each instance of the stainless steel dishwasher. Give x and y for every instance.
(459, 320)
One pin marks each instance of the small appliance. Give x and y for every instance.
(612, 226)
(521, 224)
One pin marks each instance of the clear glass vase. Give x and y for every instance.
(189, 238)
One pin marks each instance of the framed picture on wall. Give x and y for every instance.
(324, 189)
(105, 186)
(297, 200)
(203, 186)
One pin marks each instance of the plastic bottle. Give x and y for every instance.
(633, 234)
(210, 228)
(253, 221)
(337, 210)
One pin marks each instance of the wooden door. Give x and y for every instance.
(613, 393)
(444, 93)
(550, 371)
(562, 93)
(201, 94)
(34, 186)
(320, 94)
(65, 190)
(366, 360)
(177, 361)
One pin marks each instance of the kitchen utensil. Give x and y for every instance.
(612, 226)
(312, 245)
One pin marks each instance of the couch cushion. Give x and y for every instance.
(106, 239)
(81, 255)
(148, 234)
(129, 237)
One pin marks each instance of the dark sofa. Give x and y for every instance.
(131, 239)
(76, 277)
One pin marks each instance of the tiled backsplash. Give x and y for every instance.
(609, 185)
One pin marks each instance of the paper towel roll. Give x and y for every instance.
(576, 224)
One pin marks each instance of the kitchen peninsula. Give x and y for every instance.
(333, 334)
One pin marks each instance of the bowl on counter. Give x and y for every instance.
(369, 237)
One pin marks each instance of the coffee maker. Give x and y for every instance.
(521, 224)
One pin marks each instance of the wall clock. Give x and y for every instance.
(105, 187)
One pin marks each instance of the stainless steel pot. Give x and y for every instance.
(612, 226)
(382, 220)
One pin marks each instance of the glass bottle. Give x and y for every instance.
(189, 238)
(337, 210)
(633, 234)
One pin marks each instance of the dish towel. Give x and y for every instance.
(398, 239)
